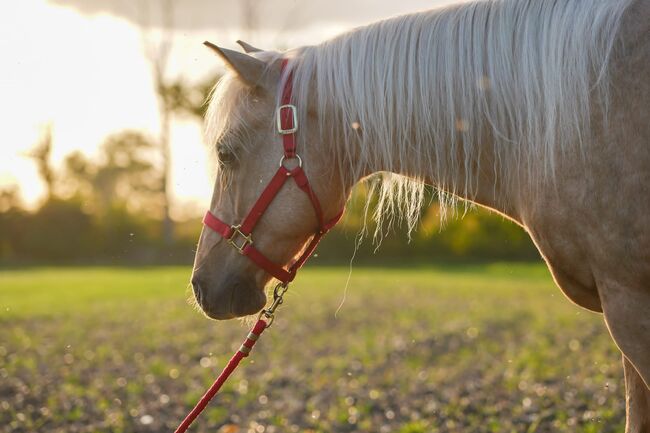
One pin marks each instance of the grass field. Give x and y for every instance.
(489, 348)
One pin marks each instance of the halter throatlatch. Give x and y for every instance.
(240, 235)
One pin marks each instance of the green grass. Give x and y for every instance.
(482, 348)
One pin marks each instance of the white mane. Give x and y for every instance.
(519, 74)
(434, 83)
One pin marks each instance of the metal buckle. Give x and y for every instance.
(294, 115)
(248, 240)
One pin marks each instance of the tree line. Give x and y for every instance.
(94, 211)
(109, 210)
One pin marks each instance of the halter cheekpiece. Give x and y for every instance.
(239, 236)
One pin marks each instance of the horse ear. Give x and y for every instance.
(248, 68)
(248, 48)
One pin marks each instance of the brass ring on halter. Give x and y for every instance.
(285, 158)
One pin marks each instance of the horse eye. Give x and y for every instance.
(225, 156)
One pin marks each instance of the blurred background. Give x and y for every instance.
(102, 159)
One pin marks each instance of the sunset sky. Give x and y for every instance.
(79, 66)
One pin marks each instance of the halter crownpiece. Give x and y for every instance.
(240, 235)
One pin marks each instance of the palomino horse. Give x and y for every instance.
(538, 110)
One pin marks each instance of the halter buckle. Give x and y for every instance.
(232, 240)
(294, 118)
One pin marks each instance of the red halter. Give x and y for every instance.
(240, 235)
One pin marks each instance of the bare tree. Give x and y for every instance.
(157, 50)
(41, 155)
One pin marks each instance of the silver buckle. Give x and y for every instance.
(294, 114)
(248, 240)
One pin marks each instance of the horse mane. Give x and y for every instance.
(432, 83)
(435, 84)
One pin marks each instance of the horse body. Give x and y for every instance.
(542, 116)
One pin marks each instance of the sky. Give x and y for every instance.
(79, 66)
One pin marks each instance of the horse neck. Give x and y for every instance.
(477, 182)
(434, 153)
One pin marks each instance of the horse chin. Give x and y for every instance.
(218, 315)
(247, 302)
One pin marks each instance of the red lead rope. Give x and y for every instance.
(242, 353)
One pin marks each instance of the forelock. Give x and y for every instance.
(225, 108)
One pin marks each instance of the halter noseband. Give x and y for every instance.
(240, 235)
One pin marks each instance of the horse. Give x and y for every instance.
(537, 110)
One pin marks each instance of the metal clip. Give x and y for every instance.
(278, 299)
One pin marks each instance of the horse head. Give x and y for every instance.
(270, 204)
